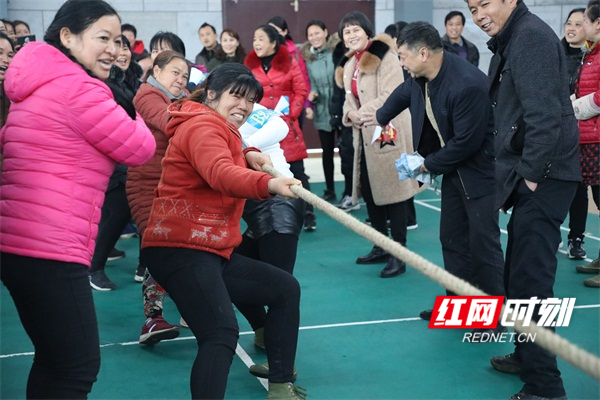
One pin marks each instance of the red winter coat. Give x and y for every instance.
(589, 82)
(284, 79)
(204, 184)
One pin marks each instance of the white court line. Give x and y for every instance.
(420, 202)
(562, 228)
(248, 361)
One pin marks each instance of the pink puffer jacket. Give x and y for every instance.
(61, 141)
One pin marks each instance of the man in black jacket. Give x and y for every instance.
(455, 137)
(453, 40)
(537, 167)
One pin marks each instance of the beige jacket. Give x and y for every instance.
(379, 74)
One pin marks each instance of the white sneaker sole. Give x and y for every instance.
(151, 338)
(100, 288)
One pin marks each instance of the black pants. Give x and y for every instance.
(346, 149)
(277, 249)
(379, 215)
(470, 237)
(411, 213)
(55, 305)
(297, 168)
(530, 269)
(203, 286)
(328, 145)
(579, 210)
(115, 216)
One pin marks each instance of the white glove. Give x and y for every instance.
(585, 108)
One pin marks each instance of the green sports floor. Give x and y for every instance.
(360, 336)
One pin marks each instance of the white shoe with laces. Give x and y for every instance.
(347, 204)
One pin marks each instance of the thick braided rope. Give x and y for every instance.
(545, 338)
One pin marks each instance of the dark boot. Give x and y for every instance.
(376, 256)
(393, 268)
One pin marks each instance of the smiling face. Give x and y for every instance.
(355, 38)
(491, 15)
(6, 55)
(124, 58)
(316, 36)
(454, 28)
(229, 44)
(411, 61)
(574, 31)
(262, 45)
(97, 47)
(234, 108)
(173, 76)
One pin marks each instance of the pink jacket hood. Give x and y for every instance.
(61, 141)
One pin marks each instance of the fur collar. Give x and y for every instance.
(281, 62)
(370, 60)
(307, 51)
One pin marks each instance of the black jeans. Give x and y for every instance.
(297, 168)
(379, 215)
(579, 210)
(328, 145)
(55, 305)
(115, 216)
(470, 237)
(203, 286)
(530, 269)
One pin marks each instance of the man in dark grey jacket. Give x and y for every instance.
(455, 137)
(537, 167)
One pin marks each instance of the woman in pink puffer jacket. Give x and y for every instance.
(62, 138)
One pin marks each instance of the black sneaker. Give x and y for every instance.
(115, 254)
(576, 250)
(139, 273)
(526, 396)
(426, 315)
(310, 222)
(329, 195)
(507, 364)
(99, 281)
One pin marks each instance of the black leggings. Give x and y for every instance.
(277, 249)
(115, 216)
(328, 145)
(297, 168)
(55, 305)
(203, 286)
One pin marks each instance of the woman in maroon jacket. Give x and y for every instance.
(280, 76)
(165, 84)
